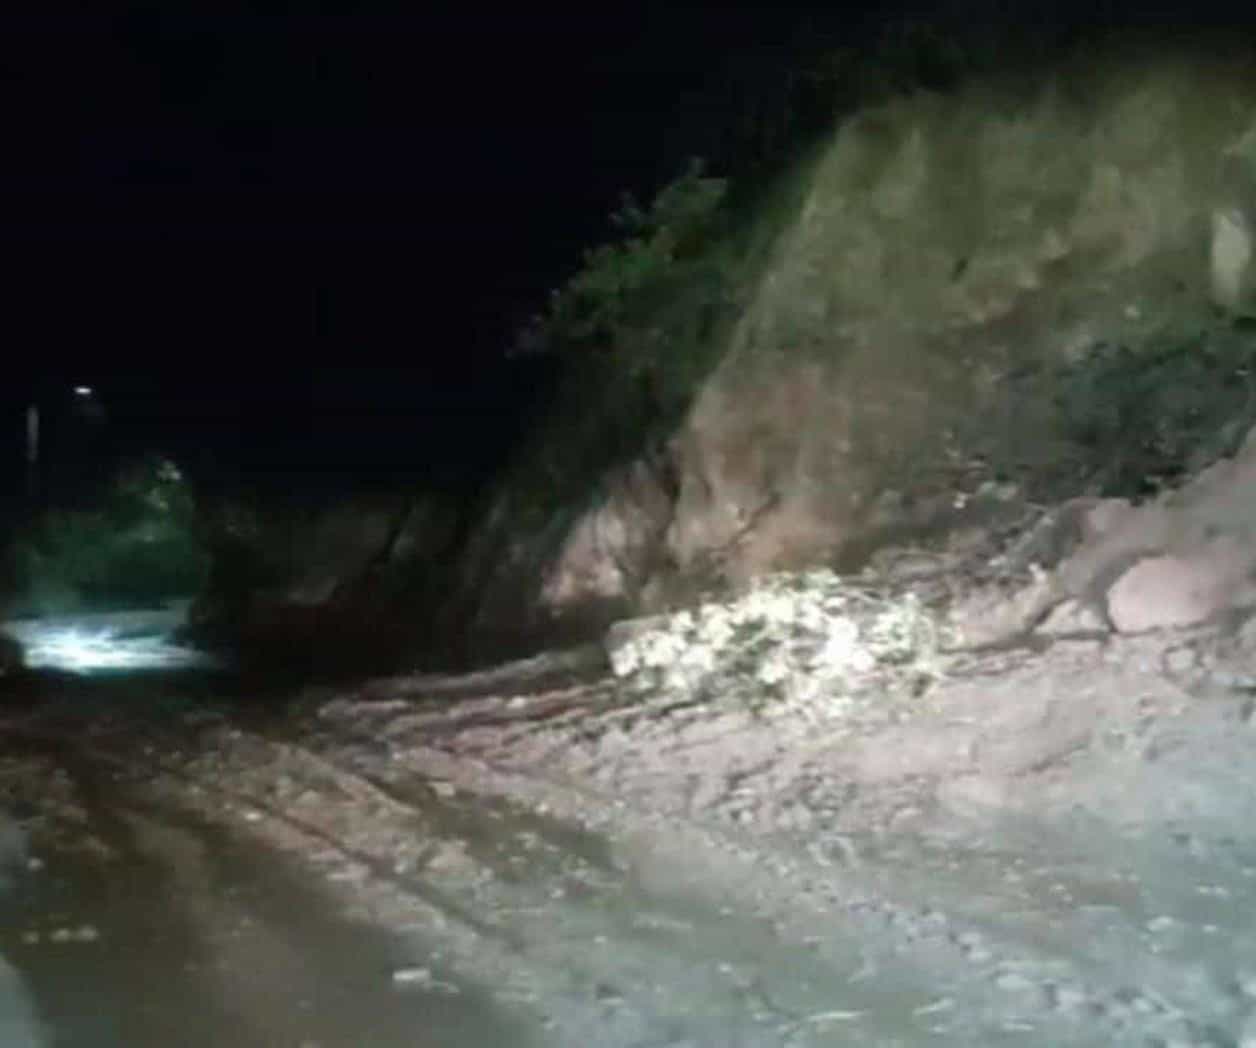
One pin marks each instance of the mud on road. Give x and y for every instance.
(1052, 846)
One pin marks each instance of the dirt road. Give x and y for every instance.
(530, 857)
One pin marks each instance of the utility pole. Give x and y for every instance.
(32, 451)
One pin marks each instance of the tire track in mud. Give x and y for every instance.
(735, 969)
(608, 958)
(1034, 932)
(554, 925)
(202, 937)
(101, 990)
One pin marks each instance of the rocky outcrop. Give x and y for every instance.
(945, 244)
(1089, 570)
(1183, 559)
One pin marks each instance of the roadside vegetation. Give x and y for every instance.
(135, 546)
(1129, 421)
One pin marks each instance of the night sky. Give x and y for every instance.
(254, 228)
(264, 224)
(386, 186)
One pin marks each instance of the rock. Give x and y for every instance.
(604, 556)
(1072, 616)
(1103, 516)
(1231, 258)
(991, 615)
(1174, 590)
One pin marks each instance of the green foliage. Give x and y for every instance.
(1130, 421)
(617, 282)
(135, 546)
(635, 330)
(151, 487)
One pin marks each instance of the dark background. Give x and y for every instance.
(304, 241)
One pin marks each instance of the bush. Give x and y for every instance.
(1131, 421)
(618, 283)
(634, 332)
(137, 546)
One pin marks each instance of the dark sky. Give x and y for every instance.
(374, 185)
(266, 213)
(257, 223)
(241, 215)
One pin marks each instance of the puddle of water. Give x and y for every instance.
(108, 641)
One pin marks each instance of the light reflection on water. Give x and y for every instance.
(108, 641)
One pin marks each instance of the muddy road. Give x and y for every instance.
(529, 856)
(134, 920)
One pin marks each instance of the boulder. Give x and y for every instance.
(1171, 590)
